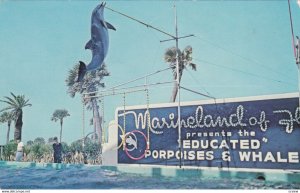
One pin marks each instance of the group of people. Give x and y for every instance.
(57, 149)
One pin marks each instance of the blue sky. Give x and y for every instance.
(242, 48)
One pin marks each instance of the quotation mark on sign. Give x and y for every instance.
(264, 139)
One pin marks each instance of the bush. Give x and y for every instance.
(38, 150)
(10, 150)
(76, 146)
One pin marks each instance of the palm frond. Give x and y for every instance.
(9, 101)
(6, 109)
(170, 55)
(59, 114)
(15, 103)
(27, 104)
(91, 82)
(15, 97)
(7, 117)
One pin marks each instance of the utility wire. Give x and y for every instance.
(244, 72)
(197, 81)
(196, 92)
(243, 57)
(143, 23)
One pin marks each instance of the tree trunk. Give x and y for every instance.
(61, 124)
(8, 131)
(175, 89)
(94, 136)
(18, 126)
(97, 120)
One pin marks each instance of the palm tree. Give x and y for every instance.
(91, 83)
(16, 105)
(60, 114)
(184, 60)
(7, 117)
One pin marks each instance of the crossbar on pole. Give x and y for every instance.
(115, 93)
(130, 81)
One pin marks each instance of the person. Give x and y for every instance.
(57, 148)
(19, 154)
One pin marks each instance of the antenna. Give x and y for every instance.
(295, 48)
(176, 38)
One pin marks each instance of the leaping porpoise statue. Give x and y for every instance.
(98, 43)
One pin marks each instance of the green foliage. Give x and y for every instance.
(65, 147)
(7, 117)
(30, 142)
(9, 149)
(51, 140)
(76, 146)
(39, 140)
(15, 103)
(39, 149)
(91, 148)
(27, 149)
(59, 114)
(184, 58)
(91, 81)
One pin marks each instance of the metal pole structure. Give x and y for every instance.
(1, 154)
(130, 81)
(176, 38)
(297, 47)
(83, 121)
(298, 67)
(178, 87)
(127, 89)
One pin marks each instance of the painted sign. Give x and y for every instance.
(257, 132)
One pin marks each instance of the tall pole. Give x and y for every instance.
(178, 86)
(83, 122)
(176, 38)
(297, 48)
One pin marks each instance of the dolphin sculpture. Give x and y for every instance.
(98, 43)
(132, 142)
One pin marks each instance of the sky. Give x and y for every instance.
(241, 48)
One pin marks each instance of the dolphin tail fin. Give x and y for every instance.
(81, 71)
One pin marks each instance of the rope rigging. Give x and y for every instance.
(143, 23)
(250, 60)
(292, 29)
(83, 121)
(124, 121)
(103, 120)
(244, 72)
(148, 120)
(114, 88)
